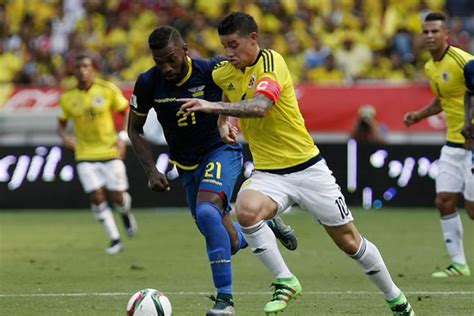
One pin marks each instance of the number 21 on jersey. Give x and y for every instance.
(186, 120)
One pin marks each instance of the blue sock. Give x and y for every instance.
(209, 221)
(243, 243)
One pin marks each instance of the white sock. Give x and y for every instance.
(451, 226)
(369, 258)
(263, 243)
(126, 204)
(104, 215)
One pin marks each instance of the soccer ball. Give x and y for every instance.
(149, 302)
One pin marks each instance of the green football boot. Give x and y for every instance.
(286, 289)
(400, 306)
(454, 270)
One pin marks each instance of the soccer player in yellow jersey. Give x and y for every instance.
(98, 149)
(289, 167)
(446, 73)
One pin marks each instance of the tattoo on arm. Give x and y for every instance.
(256, 107)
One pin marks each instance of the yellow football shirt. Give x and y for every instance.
(447, 82)
(93, 124)
(280, 139)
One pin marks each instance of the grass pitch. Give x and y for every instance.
(53, 263)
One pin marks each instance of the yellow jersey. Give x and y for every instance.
(447, 82)
(280, 139)
(92, 114)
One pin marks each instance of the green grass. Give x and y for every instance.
(52, 263)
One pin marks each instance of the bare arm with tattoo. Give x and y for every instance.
(256, 107)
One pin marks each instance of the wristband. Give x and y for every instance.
(123, 136)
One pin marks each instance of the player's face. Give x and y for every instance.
(435, 35)
(171, 62)
(84, 71)
(241, 50)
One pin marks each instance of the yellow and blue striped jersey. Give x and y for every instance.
(91, 112)
(280, 139)
(447, 82)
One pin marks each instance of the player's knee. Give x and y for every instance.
(445, 204)
(249, 212)
(207, 215)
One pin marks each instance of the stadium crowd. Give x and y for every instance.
(323, 41)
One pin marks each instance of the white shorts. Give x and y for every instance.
(455, 172)
(314, 189)
(109, 174)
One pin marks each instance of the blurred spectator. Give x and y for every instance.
(316, 55)
(458, 36)
(402, 44)
(352, 57)
(366, 128)
(329, 74)
(352, 30)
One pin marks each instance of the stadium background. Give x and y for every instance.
(342, 54)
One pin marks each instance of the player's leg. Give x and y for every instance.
(319, 193)
(255, 204)
(93, 184)
(216, 178)
(450, 181)
(117, 184)
(348, 239)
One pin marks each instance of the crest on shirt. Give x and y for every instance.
(253, 79)
(98, 100)
(445, 76)
(197, 91)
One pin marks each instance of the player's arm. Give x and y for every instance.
(67, 138)
(156, 180)
(468, 129)
(256, 107)
(122, 135)
(414, 117)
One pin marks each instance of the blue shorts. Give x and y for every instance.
(217, 173)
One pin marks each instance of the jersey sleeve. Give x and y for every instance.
(119, 103)
(141, 99)
(63, 114)
(469, 76)
(274, 77)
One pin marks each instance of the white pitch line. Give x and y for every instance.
(440, 293)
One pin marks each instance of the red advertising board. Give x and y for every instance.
(325, 109)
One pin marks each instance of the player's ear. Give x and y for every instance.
(185, 48)
(253, 36)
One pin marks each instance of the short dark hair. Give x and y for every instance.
(163, 36)
(435, 16)
(237, 22)
(87, 55)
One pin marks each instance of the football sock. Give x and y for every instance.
(104, 215)
(242, 242)
(369, 258)
(126, 203)
(451, 226)
(263, 243)
(209, 221)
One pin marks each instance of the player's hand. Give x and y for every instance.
(410, 119)
(196, 105)
(121, 148)
(228, 133)
(158, 182)
(468, 133)
(68, 142)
